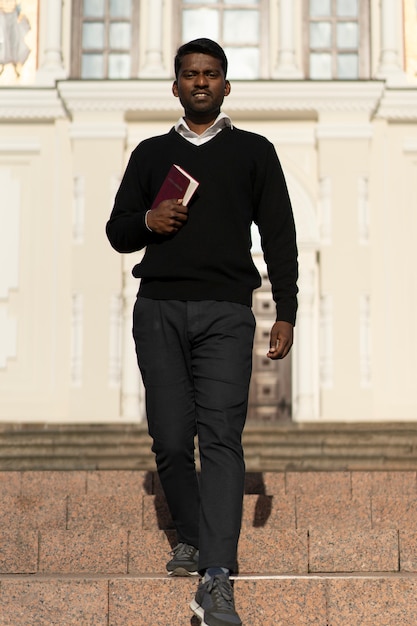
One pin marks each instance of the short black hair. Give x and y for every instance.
(204, 46)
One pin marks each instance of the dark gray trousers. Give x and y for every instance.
(196, 360)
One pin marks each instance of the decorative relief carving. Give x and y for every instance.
(18, 41)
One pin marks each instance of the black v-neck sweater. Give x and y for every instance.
(241, 181)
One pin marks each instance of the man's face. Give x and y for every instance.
(201, 86)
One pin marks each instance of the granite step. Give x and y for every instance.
(317, 548)
(268, 551)
(287, 600)
(117, 522)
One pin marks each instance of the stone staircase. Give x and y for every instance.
(268, 447)
(88, 547)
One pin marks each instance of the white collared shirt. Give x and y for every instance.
(222, 121)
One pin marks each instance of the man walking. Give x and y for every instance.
(192, 322)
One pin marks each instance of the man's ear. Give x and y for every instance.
(175, 88)
(227, 88)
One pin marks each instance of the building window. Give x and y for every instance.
(239, 26)
(105, 36)
(337, 32)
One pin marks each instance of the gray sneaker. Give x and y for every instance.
(184, 561)
(214, 603)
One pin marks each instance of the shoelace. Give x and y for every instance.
(183, 550)
(221, 592)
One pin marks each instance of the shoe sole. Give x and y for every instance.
(198, 611)
(181, 571)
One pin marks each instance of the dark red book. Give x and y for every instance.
(178, 185)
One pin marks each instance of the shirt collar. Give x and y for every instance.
(221, 121)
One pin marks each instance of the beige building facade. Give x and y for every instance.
(342, 113)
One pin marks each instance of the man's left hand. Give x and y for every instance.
(281, 339)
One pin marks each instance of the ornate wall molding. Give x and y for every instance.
(145, 96)
(399, 105)
(313, 96)
(30, 104)
(153, 98)
(118, 96)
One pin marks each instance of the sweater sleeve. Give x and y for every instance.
(126, 228)
(275, 221)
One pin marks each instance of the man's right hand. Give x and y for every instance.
(168, 217)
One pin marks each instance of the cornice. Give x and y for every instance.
(152, 99)
(143, 96)
(399, 105)
(118, 96)
(29, 104)
(305, 96)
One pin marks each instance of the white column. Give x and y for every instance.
(287, 63)
(154, 66)
(305, 362)
(51, 68)
(390, 62)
